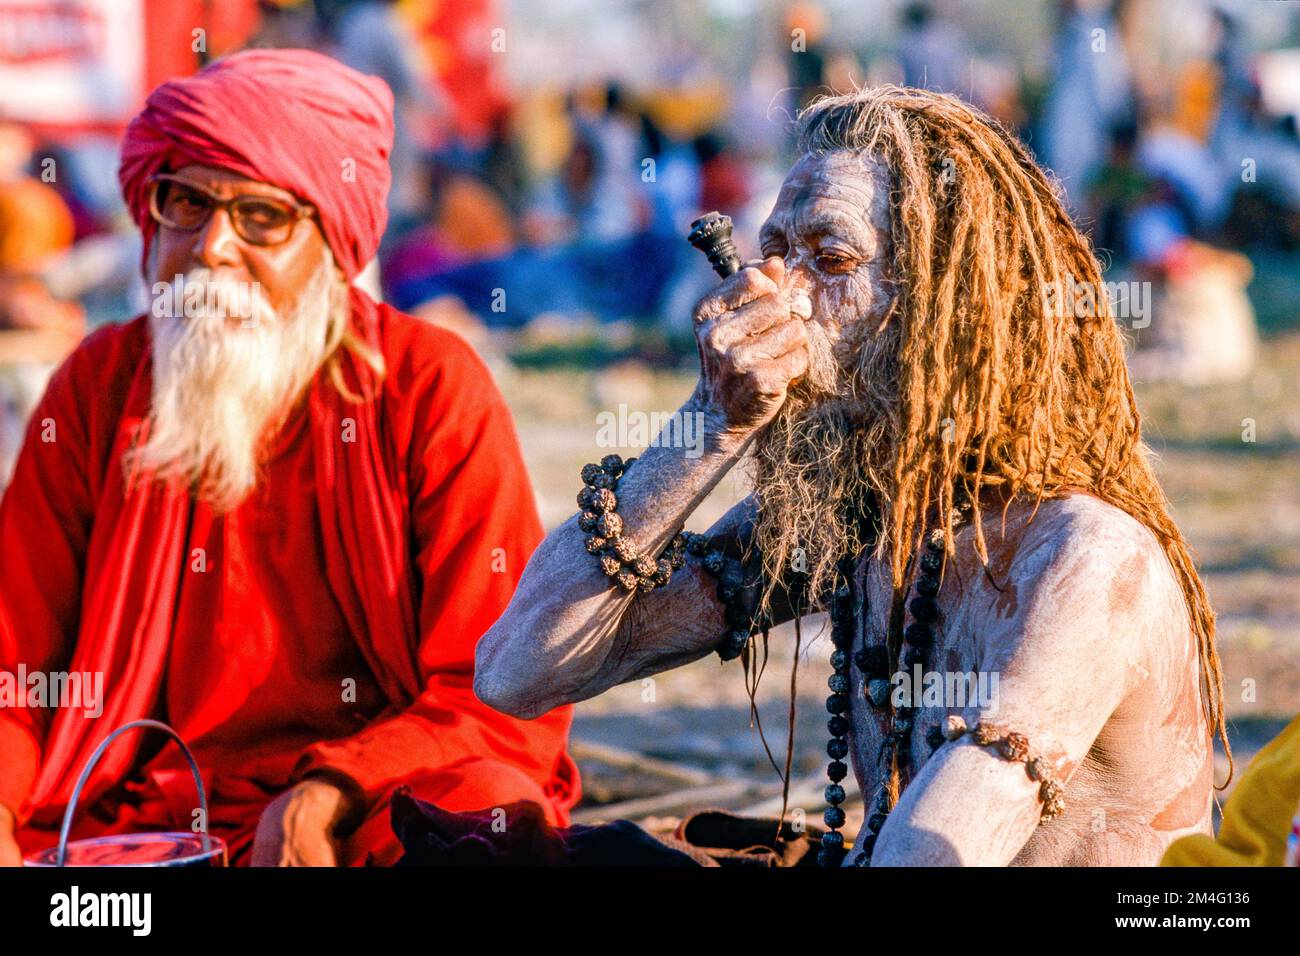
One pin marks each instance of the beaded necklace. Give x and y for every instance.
(875, 665)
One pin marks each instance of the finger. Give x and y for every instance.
(307, 841)
(773, 267)
(292, 854)
(312, 850)
(745, 286)
(792, 364)
(322, 853)
(773, 344)
(291, 831)
(773, 378)
(746, 323)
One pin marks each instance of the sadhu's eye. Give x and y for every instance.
(829, 262)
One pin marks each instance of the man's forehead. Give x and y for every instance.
(225, 181)
(835, 179)
(832, 173)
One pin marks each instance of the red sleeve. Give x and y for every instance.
(475, 524)
(45, 519)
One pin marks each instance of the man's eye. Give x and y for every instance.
(185, 207)
(829, 262)
(187, 201)
(264, 213)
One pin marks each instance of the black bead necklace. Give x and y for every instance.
(842, 627)
(875, 664)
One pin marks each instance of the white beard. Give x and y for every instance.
(221, 375)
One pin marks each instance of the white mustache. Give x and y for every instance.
(224, 364)
(203, 293)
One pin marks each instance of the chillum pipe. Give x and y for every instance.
(711, 234)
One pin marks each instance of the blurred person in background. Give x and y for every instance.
(724, 180)
(1115, 190)
(1201, 327)
(1091, 93)
(933, 54)
(1264, 208)
(602, 182)
(592, 196)
(37, 329)
(676, 187)
(805, 25)
(468, 223)
(372, 38)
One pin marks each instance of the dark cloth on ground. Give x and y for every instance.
(517, 834)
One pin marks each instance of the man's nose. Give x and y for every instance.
(217, 243)
(798, 272)
(798, 283)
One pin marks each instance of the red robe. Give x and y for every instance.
(275, 667)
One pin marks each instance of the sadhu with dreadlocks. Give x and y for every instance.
(947, 458)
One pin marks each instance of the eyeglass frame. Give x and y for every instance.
(300, 210)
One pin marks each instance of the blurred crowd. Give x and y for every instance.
(543, 208)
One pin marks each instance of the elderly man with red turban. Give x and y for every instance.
(271, 512)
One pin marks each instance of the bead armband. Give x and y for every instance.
(1015, 747)
(604, 527)
(636, 572)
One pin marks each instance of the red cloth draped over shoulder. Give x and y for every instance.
(427, 516)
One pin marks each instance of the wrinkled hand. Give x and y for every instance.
(753, 344)
(297, 827)
(10, 854)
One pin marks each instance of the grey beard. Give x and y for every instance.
(828, 447)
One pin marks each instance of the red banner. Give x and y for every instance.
(70, 66)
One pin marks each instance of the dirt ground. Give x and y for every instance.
(1235, 499)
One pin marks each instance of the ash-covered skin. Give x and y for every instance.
(1085, 626)
(831, 226)
(1096, 665)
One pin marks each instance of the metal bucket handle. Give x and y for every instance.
(94, 759)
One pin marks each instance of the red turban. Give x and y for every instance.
(295, 119)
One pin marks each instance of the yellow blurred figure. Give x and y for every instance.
(1258, 817)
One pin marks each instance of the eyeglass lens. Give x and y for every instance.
(256, 219)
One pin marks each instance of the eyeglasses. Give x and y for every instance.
(184, 207)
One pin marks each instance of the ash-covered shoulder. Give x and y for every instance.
(1080, 534)
(1085, 584)
(1084, 520)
